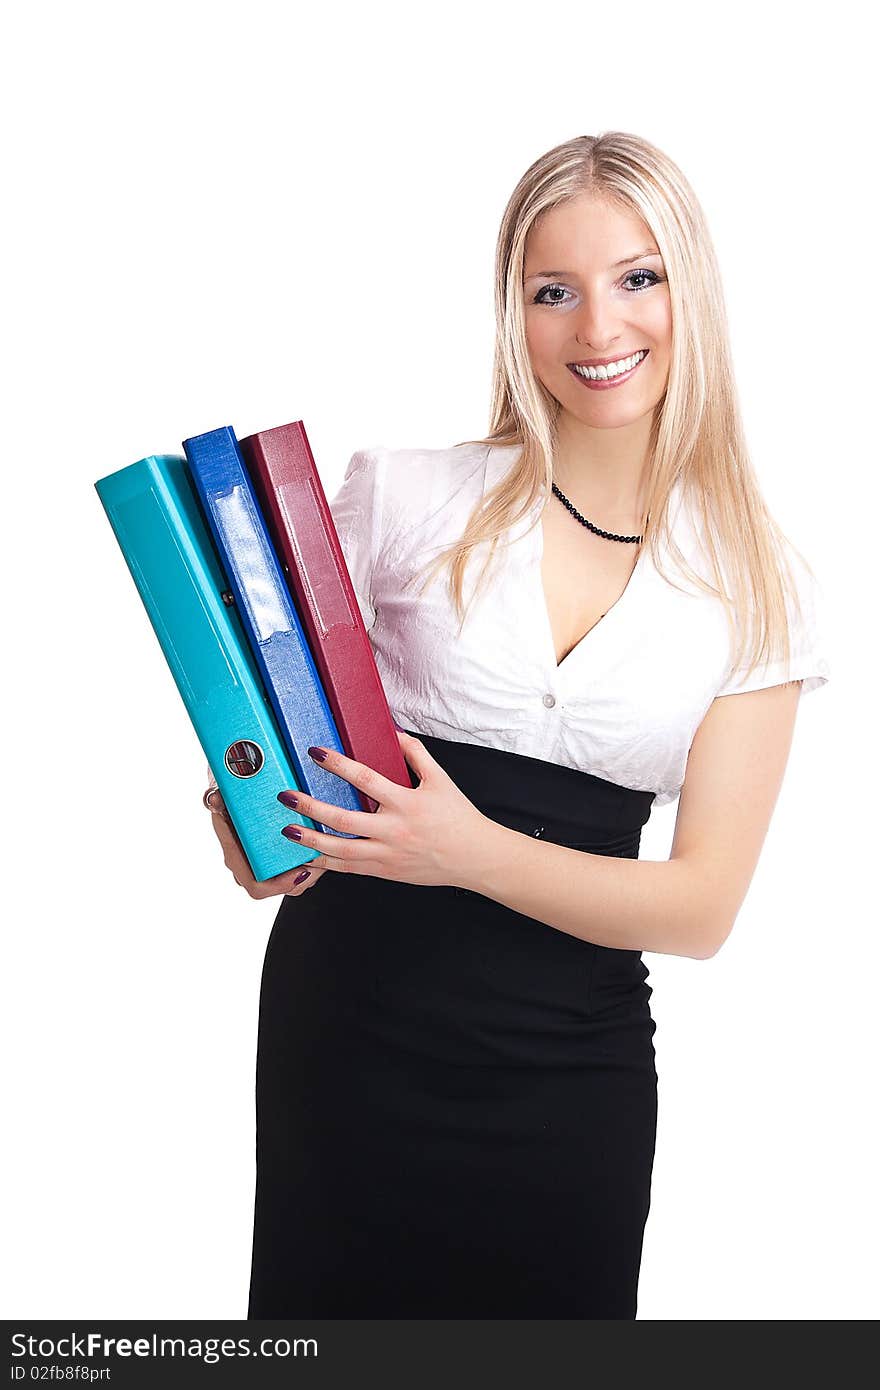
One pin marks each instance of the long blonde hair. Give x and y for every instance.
(697, 436)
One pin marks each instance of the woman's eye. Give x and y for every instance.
(539, 297)
(635, 274)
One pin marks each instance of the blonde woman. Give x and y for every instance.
(456, 1084)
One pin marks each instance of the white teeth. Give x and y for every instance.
(613, 369)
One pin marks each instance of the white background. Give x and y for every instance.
(249, 215)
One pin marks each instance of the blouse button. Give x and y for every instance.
(549, 701)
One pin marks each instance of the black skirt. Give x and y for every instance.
(456, 1103)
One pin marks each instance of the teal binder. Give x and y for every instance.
(157, 519)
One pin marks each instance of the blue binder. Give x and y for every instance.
(155, 514)
(268, 613)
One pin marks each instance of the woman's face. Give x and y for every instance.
(582, 303)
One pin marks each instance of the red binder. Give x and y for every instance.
(292, 499)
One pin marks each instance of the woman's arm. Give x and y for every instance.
(686, 905)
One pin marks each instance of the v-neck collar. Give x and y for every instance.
(533, 536)
(609, 621)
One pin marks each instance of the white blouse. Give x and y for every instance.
(625, 702)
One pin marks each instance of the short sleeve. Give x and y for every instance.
(357, 515)
(809, 656)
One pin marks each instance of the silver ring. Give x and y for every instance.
(206, 800)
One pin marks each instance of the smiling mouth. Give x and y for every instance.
(611, 371)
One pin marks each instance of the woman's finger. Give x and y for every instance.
(233, 854)
(374, 784)
(212, 799)
(236, 860)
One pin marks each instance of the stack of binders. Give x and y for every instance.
(238, 563)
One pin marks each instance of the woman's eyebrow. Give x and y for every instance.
(628, 260)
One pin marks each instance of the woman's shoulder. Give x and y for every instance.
(688, 529)
(423, 464)
(803, 595)
(416, 483)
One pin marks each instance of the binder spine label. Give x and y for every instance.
(234, 515)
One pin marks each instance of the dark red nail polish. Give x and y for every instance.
(288, 799)
(318, 753)
(301, 878)
(292, 832)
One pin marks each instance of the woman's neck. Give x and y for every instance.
(603, 472)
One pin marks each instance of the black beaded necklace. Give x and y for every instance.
(597, 530)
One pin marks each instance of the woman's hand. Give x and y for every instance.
(236, 860)
(430, 834)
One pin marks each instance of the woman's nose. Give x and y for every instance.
(597, 323)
